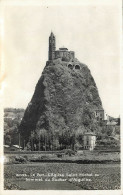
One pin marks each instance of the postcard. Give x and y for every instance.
(60, 97)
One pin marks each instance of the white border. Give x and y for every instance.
(60, 3)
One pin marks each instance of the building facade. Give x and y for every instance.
(100, 114)
(61, 53)
(89, 141)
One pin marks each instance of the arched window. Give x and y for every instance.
(70, 66)
(77, 67)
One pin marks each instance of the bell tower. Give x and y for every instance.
(52, 46)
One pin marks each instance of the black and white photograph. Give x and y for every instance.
(60, 94)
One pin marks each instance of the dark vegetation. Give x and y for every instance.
(12, 119)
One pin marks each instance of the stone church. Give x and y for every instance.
(63, 53)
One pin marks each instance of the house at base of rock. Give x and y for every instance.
(8, 148)
(100, 114)
(15, 148)
(89, 141)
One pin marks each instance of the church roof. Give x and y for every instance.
(111, 123)
(63, 48)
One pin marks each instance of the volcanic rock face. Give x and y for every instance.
(65, 97)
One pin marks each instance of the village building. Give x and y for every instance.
(8, 148)
(100, 114)
(15, 148)
(89, 141)
(111, 123)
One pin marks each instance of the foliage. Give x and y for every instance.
(59, 155)
(107, 130)
(8, 140)
(20, 159)
(12, 119)
(69, 152)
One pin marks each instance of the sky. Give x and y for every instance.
(91, 30)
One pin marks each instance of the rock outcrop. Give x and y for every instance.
(65, 97)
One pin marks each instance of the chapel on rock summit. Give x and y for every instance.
(61, 53)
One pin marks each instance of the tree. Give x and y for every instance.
(8, 140)
(32, 140)
(28, 146)
(109, 130)
(66, 139)
(42, 138)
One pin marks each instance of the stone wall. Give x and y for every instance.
(69, 55)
